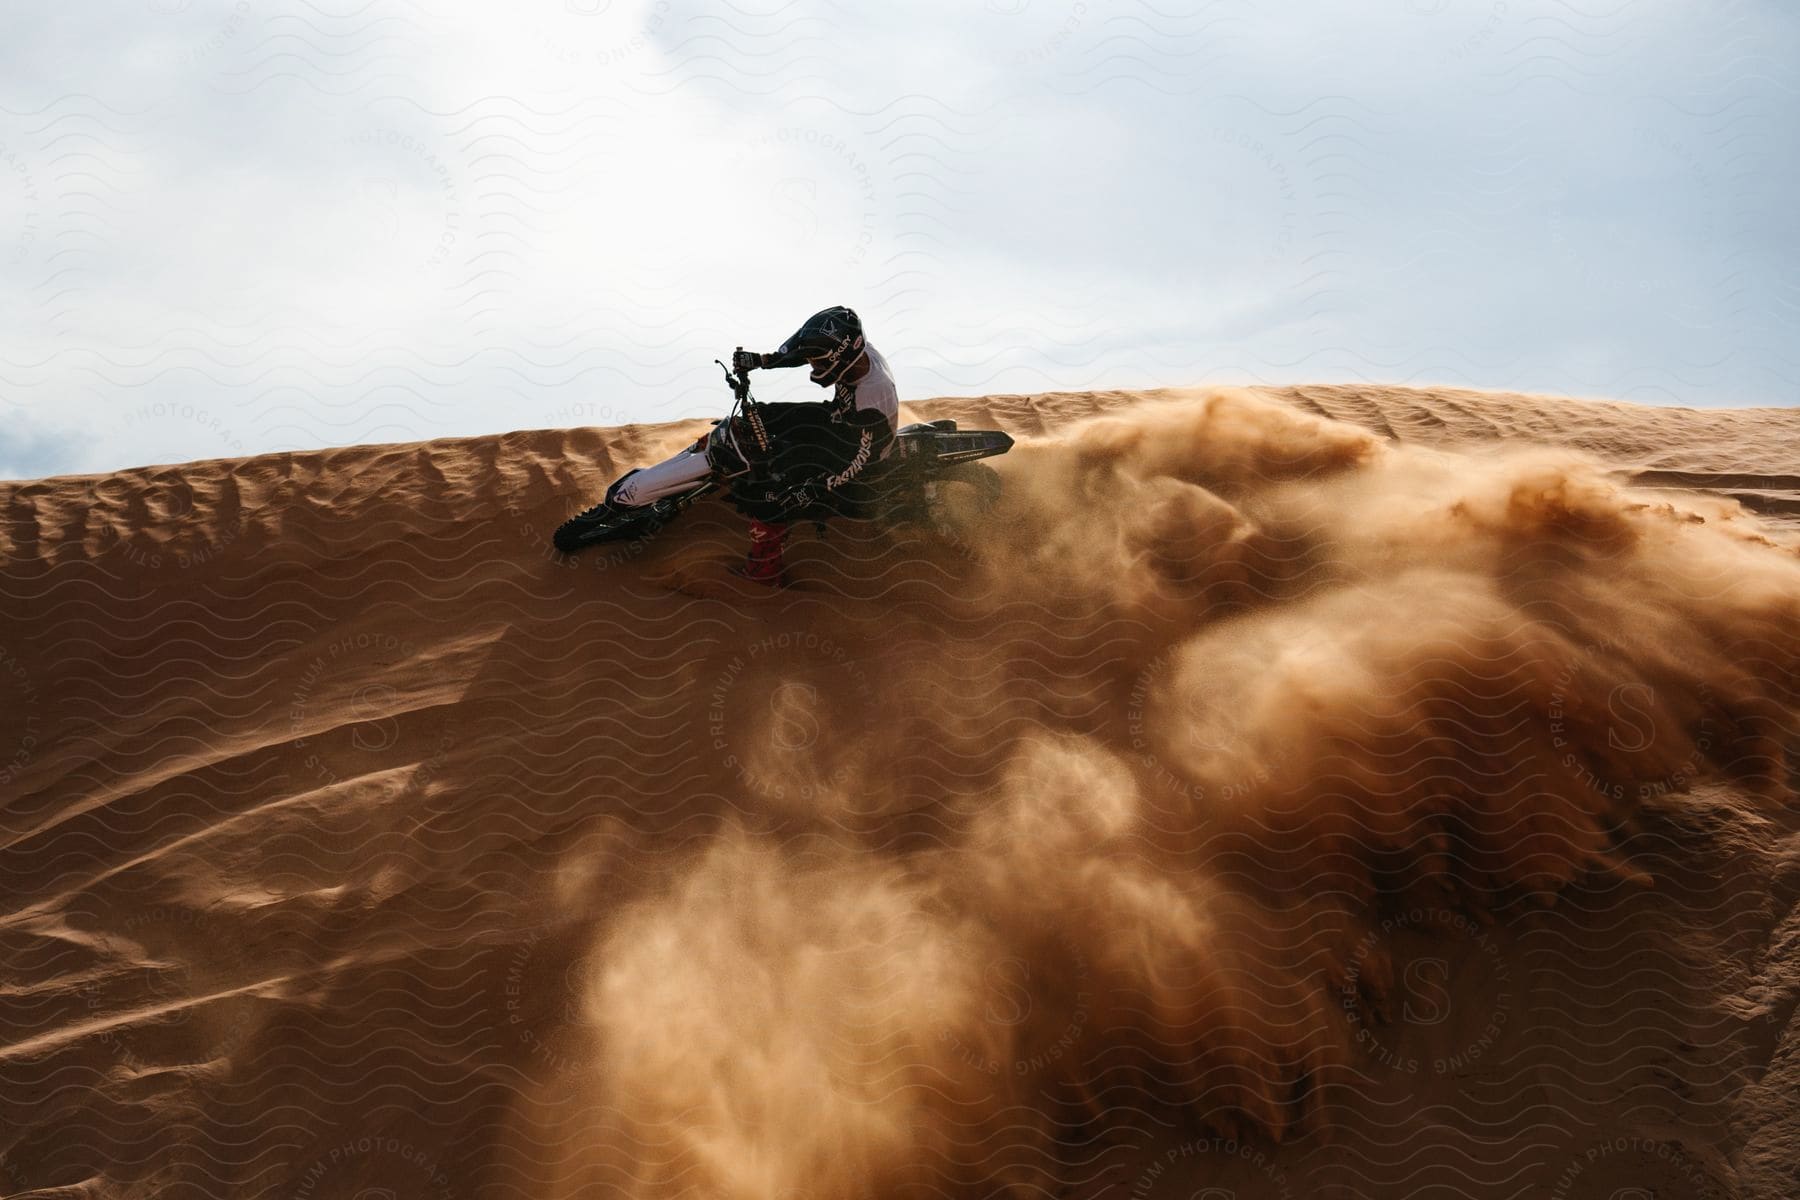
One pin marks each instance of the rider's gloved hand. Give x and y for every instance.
(745, 360)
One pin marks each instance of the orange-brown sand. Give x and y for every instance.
(1306, 792)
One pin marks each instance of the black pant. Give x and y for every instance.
(806, 444)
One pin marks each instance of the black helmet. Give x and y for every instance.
(831, 340)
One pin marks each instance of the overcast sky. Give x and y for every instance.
(236, 226)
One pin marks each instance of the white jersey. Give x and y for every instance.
(876, 391)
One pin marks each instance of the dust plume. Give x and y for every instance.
(1112, 813)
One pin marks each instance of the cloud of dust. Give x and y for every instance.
(1282, 672)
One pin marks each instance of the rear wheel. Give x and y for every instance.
(975, 484)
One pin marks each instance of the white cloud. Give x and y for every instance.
(408, 219)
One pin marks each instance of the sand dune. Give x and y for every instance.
(1321, 791)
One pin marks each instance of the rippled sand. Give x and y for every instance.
(1320, 791)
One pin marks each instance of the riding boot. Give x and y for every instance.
(764, 563)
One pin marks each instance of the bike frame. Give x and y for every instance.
(920, 448)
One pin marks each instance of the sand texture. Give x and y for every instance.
(1336, 791)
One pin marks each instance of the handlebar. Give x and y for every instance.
(740, 388)
(739, 384)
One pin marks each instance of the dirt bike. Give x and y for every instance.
(926, 458)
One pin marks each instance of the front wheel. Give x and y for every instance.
(603, 524)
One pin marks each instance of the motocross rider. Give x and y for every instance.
(821, 458)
